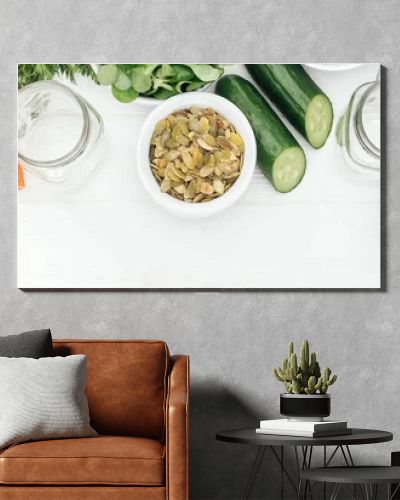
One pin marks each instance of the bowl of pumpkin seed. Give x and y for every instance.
(196, 154)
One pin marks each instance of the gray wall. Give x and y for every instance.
(233, 338)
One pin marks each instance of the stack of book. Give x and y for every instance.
(285, 427)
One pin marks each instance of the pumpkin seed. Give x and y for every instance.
(187, 159)
(204, 124)
(206, 171)
(224, 142)
(160, 127)
(210, 140)
(195, 154)
(166, 185)
(206, 188)
(180, 189)
(202, 143)
(218, 186)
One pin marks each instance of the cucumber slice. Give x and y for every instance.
(278, 153)
(298, 97)
(124, 95)
(123, 82)
(318, 120)
(288, 169)
(107, 74)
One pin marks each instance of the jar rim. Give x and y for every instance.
(78, 148)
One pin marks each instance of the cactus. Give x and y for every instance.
(306, 377)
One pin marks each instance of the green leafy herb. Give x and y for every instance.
(29, 73)
(205, 72)
(125, 96)
(141, 81)
(156, 80)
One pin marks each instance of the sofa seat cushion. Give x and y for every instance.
(103, 460)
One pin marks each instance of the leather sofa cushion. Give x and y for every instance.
(83, 493)
(126, 385)
(102, 460)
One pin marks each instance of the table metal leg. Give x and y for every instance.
(332, 456)
(305, 464)
(253, 474)
(297, 461)
(284, 470)
(324, 466)
(351, 493)
(282, 487)
(335, 491)
(390, 494)
(307, 457)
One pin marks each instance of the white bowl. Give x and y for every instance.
(333, 66)
(229, 111)
(151, 102)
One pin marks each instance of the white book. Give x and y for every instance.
(303, 425)
(311, 434)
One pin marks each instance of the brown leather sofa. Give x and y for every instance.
(139, 401)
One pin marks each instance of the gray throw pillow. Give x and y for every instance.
(34, 344)
(43, 399)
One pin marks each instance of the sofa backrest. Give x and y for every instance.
(126, 386)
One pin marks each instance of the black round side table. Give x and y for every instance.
(369, 477)
(303, 451)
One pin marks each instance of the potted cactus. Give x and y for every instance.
(306, 386)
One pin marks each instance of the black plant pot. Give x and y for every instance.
(310, 406)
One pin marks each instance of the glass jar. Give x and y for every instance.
(59, 132)
(359, 129)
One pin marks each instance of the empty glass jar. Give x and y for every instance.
(359, 129)
(59, 132)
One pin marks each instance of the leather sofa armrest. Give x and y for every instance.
(177, 431)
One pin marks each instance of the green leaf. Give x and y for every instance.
(124, 96)
(141, 81)
(182, 73)
(123, 81)
(194, 86)
(205, 72)
(29, 73)
(164, 93)
(167, 72)
(158, 83)
(182, 86)
(149, 68)
(107, 74)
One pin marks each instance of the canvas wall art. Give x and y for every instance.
(199, 176)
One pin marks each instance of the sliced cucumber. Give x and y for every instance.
(123, 82)
(318, 120)
(278, 153)
(298, 97)
(107, 74)
(288, 169)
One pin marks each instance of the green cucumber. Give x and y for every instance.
(298, 97)
(278, 153)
